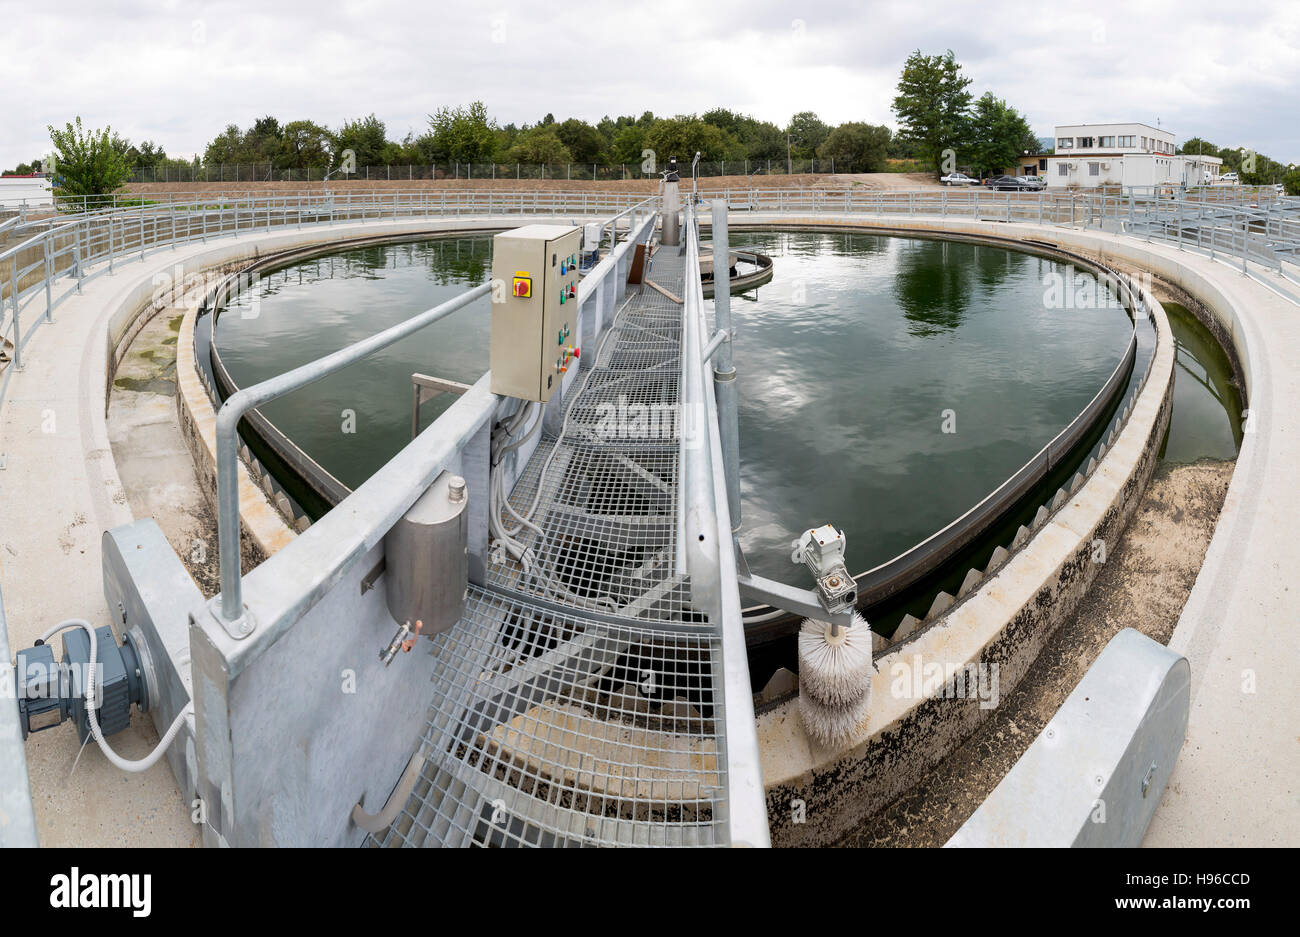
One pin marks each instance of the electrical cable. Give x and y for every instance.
(143, 764)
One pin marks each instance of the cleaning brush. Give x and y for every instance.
(834, 677)
(830, 725)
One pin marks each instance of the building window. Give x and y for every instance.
(1042, 165)
(1108, 142)
(1065, 143)
(1061, 170)
(1094, 169)
(1127, 141)
(1085, 143)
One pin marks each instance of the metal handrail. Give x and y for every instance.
(711, 558)
(1237, 224)
(229, 604)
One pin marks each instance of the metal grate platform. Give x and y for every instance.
(579, 702)
(606, 486)
(551, 729)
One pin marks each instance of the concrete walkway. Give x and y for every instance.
(60, 492)
(1237, 780)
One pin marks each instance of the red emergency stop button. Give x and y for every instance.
(523, 286)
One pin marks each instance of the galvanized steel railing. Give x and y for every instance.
(228, 606)
(710, 554)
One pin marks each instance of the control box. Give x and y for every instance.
(534, 309)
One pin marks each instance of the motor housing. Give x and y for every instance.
(51, 691)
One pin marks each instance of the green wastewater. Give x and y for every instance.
(887, 384)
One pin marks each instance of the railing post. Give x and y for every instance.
(76, 256)
(18, 328)
(724, 371)
(49, 302)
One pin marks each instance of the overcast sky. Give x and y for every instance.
(177, 72)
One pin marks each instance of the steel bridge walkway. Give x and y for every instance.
(580, 704)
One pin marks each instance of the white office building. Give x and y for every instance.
(1122, 155)
(29, 191)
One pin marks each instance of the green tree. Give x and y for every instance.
(999, 135)
(305, 143)
(932, 105)
(1196, 146)
(627, 144)
(807, 132)
(760, 139)
(264, 141)
(87, 163)
(684, 136)
(463, 134)
(583, 141)
(540, 144)
(366, 137)
(226, 148)
(857, 147)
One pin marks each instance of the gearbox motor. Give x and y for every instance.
(50, 691)
(822, 551)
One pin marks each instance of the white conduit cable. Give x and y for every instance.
(144, 764)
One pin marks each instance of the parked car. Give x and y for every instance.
(1229, 177)
(958, 178)
(1012, 184)
(1038, 182)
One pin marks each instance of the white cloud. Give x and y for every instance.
(178, 72)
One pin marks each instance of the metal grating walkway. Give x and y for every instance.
(606, 486)
(578, 707)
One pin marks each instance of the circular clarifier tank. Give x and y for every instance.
(887, 384)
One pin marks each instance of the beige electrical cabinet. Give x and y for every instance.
(534, 309)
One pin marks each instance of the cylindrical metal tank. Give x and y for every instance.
(668, 235)
(426, 559)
